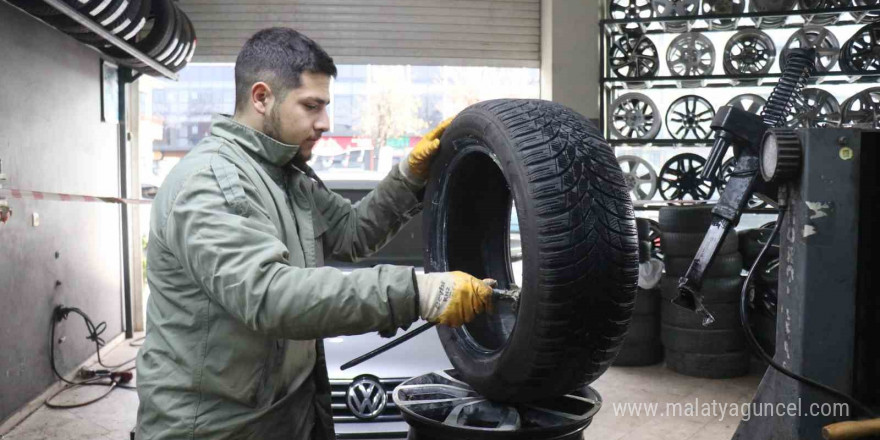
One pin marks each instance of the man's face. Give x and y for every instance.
(301, 117)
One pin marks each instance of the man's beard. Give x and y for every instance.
(272, 125)
(272, 128)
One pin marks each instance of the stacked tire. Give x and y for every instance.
(171, 40)
(718, 350)
(158, 28)
(642, 344)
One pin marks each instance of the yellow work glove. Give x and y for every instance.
(418, 164)
(452, 298)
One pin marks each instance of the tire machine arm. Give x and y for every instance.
(745, 132)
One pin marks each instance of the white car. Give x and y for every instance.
(361, 395)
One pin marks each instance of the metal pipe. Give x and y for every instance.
(124, 77)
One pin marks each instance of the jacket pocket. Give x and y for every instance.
(227, 177)
(237, 366)
(263, 389)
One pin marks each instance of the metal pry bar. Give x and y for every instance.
(512, 295)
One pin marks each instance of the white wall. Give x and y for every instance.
(570, 54)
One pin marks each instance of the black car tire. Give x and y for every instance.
(163, 13)
(132, 10)
(186, 39)
(750, 243)
(166, 53)
(643, 329)
(191, 48)
(580, 253)
(764, 328)
(685, 244)
(134, 19)
(685, 218)
(643, 228)
(702, 340)
(642, 344)
(724, 265)
(63, 22)
(116, 9)
(645, 248)
(129, 19)
(185, 47)
(647, 302)
(710, 366)
(726, 316)
(714, 290)
(131, 32)
(639, 354)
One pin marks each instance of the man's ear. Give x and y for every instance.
(262, 98)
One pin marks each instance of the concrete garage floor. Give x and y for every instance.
(671, 392)
(114, 416)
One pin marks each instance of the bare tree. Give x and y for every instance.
(461, 87)
(391, 109)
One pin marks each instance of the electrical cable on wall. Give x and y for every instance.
(93, 330)
(117, 377)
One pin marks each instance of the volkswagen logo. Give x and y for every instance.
(366, 398)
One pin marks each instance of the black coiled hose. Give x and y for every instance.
(798, 67)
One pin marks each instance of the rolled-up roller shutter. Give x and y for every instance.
(421, 32)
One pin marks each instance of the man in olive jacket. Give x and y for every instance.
(238, 234)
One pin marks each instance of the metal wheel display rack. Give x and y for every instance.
(635, 20)
(614, 85)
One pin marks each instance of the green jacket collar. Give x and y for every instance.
(253, 141)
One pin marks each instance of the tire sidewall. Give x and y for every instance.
(483, 127)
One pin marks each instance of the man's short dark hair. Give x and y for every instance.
(277, 56)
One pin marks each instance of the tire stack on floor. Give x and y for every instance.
(642, 344)
(718, 350)
(762, 315)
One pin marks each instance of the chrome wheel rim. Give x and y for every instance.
(691, 54)
(640, 177)
(748, 102)
(818, 38)
(680, 178)
(439, 398)
(634, 116)
(749, 52)
(815, 108)
(690, 117)
(634, 56)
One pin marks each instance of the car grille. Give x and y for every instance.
(341, 413)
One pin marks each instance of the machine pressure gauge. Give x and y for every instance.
(780, 155)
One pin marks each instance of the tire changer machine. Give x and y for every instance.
(824, 182)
